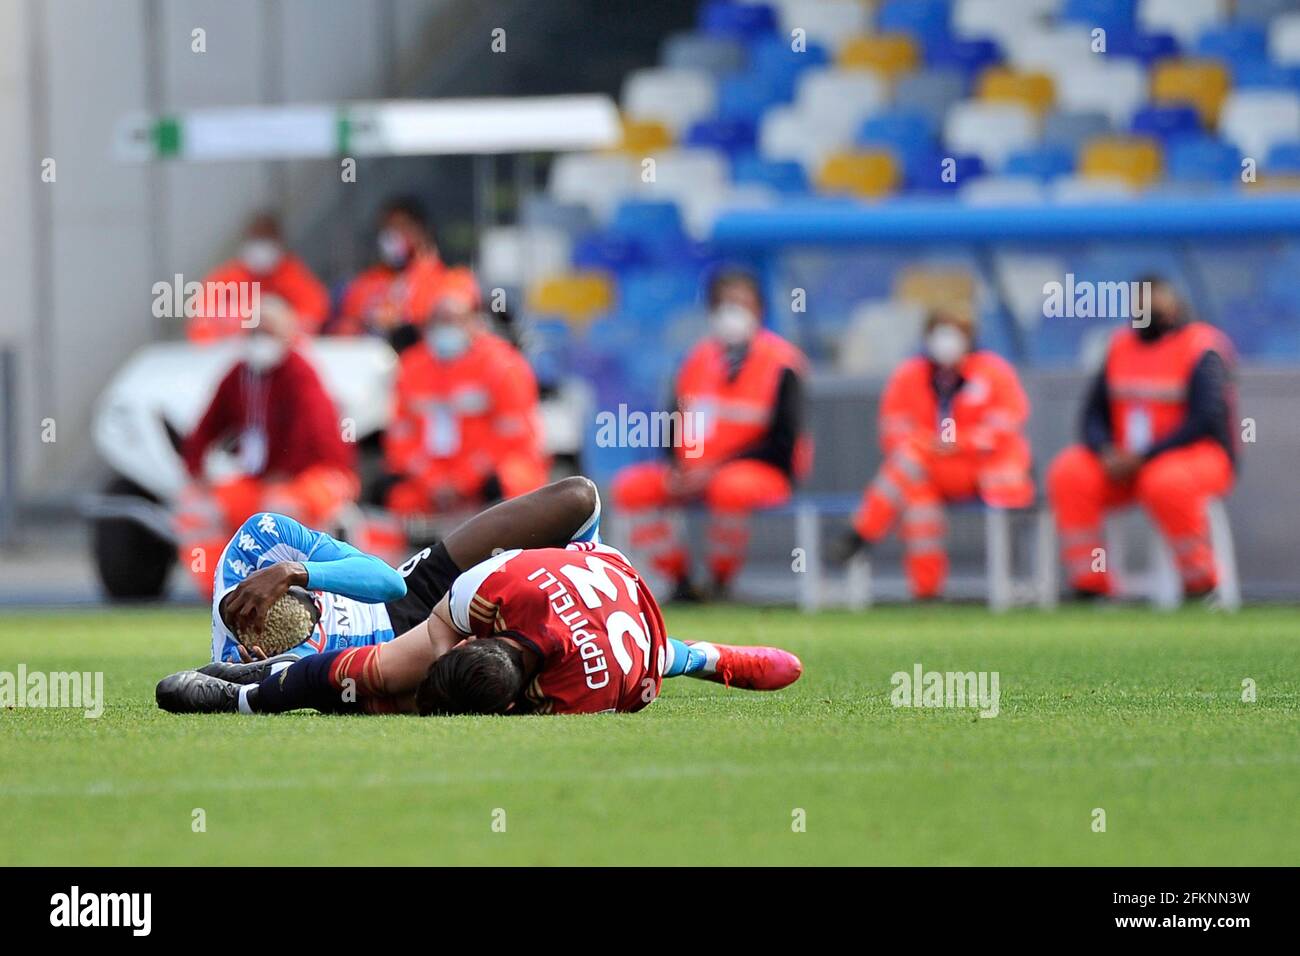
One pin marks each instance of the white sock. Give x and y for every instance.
(243, 699)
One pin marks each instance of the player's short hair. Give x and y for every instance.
(480, 677)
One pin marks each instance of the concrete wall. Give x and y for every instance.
(82, 253)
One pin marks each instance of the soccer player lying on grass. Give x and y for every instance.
(533, 629)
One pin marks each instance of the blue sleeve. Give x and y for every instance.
(1207, 407)
(341, 569)
(1096, 415)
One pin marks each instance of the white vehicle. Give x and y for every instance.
(158, 397)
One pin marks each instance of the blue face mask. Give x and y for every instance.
(447, 341)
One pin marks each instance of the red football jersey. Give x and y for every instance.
(587, 614)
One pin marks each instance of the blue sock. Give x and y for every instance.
(686, 659)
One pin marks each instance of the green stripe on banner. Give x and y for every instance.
(343, 133)
(167, 136)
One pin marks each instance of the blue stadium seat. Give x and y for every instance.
(1203, 159)
(746, 96)
(1262, 11)
(1167, 123)
(1262, 74)
(730, 136)
(1071, 130)
(785, 176)
(909, 134)
(1144, 47)
(609, 252)
(1044, 162)
(650, 296)
(926, 171)
(1284, 158)
(926, 20)
(1235, 43)
(773, 55)
(1114, 16)
(967, 56)
(931, 91)
(744, 20)
(655, 225)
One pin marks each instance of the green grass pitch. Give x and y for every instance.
(1136, 713)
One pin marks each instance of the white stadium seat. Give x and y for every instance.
(1047, 50)
(678, 172)
(791, 133)
(1256, 119)
(598, 181)
(1081, 189)
(855, 93)
(700, 207)
(880, 334)
(1001, 20)
(1185, 19)
(518, 255)
(674, 97)
(827, 22)
(992, 131)
(1284, 40)
(1002, 191)
(1114, 87)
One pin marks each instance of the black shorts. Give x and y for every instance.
(429, 574)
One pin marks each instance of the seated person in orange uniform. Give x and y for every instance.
(263, 259)
(951, 424)
(292, 455)
(740, 445)
(466, 426)
(1157, 430)
(395, 296)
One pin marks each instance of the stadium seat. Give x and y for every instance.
(1160, 582)
(701, 207)
(654, 224)
(602, 250)
(879, 335)
(1184, 19)
(1113, 87)
(887, 55)
(998, 19)
(968, 56)
(777, 57)
(931, 91)
(1262, 12)
(1234, 44)
(1113, 16)
(715, 55)
(1198, 82)
(826, 92)
(747, 95)
(868, 174)
(1071, 130)
(575, 297)
(519, 255)
(597, 181)
(1135, 160)
(1166, 123)
(1284, 40)
(1041, 162)
(789, 133)
(927, 20)
(743, 20)
(543, 209)
(1255, 120)
(1283, 157)
(784, 176)
(992, 131)
(909, 134)
(678, 171)
(674, 97)
(1204, 159)
(730, 136)
(1055, 50)
(1002, 191)
(999, 84)
(1257, 74)
(1146, 49)
(1083, 189)
(644, 136)
(827, 22)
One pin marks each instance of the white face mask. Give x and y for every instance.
(263, 352)
(393, 249)
(946, 344)
(447, 341)
(260, 255)
(732, 324)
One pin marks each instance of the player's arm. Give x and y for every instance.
(549, 517)
(331, 565)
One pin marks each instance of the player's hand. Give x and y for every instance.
(247, 605)
(245, 657)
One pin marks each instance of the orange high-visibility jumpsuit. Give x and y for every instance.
(1146, 384)
(460, 424)
(291, 280)
(975, 448)
(729, 440)
(380, 299)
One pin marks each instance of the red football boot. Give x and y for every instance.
(753, 668)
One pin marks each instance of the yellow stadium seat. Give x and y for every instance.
(936, 287)
(575, 297)
(1032, 90)
(887, 53)
(1134, 159)
(642, 137)
(1201, 83)
(867, 174)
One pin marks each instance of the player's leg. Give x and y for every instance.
(748, 667)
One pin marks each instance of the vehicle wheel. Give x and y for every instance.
(133, 563)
